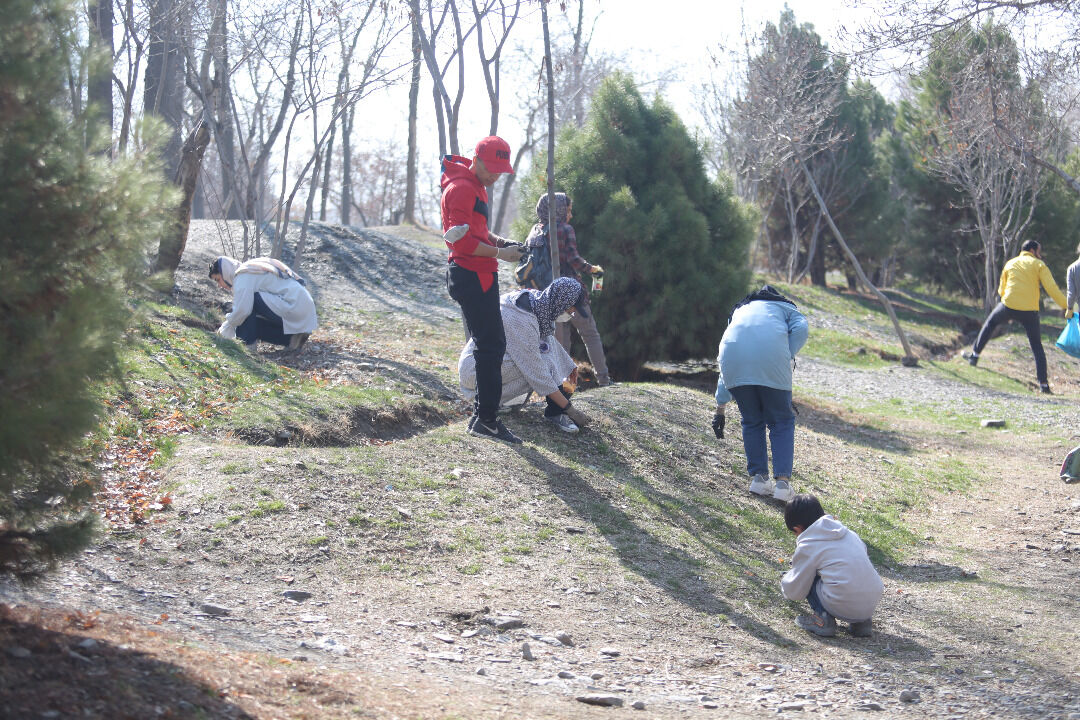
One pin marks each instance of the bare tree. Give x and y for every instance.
(965, 149)
(553, 236)
(409, 215)
(910, 26)
(785, 117)
(496, 9)
(163, 85)
(447, 110)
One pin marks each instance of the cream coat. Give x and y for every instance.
(530, 362)
(284, 296)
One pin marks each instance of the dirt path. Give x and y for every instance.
(403, 580)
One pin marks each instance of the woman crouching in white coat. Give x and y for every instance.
(270, 302)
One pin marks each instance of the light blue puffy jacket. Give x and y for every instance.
(758, 346)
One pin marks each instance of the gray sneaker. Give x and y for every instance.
(863, 628)
(563, 422)
(761, 485)
(823, 625)
(782, 490)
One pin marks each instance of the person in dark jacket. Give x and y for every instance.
(572, 265)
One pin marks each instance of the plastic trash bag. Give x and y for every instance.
(1070, 469)
(1069, 340)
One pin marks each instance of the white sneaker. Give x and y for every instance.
(564, 423)
(761, 485)
(782, 490)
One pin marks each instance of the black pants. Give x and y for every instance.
(262, 324)
(483, 321)
(1029, 319)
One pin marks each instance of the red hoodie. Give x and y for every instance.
(465, 201)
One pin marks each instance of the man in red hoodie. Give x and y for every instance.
(472, 275)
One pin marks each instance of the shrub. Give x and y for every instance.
(73, 229)
(672, 242)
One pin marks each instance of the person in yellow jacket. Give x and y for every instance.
(1019, 290)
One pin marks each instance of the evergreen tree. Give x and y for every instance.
(73, 230)
(672, 242)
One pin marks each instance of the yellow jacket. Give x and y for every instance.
(1020, 279)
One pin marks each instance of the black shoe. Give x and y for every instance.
(861, 629)
(972, 359)
(1045, 389)
(297, 341)
(498, 431)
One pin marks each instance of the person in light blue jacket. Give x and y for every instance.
(757, 353)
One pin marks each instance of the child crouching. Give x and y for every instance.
(830, 568)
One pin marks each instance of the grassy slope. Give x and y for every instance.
(663, 504)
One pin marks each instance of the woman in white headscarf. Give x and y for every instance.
(270, 302)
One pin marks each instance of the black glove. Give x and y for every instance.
(718, 425)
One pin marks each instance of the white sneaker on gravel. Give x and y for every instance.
(761, 485)
(782, 490)
(564, 423)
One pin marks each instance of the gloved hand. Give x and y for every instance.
(580, 419)
(718, 424)
(1068, 313)
(597, 271)
(226, 331)
(510, 253)
(456, 233)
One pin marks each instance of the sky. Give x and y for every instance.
(672, 38)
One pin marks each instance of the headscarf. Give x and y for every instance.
(230, 268)
(562, 204)
(538, 234)
(557, 298)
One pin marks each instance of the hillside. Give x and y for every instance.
(314, 535)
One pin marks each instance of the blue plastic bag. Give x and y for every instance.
(1069, 340)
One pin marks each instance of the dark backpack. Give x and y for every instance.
(534, 268)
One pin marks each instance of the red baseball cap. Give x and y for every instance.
(495, 152)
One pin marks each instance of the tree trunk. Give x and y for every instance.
(163, 84)
(909, 359)
(258, 169)
(224, 130)
(817, 267)
(577, 68)
(793, 227)
(553, 235)
(411, 161)
(346, 164)
(99, 84)
(171, 247)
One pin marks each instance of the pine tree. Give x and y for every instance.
(673, 243)
(74, 228)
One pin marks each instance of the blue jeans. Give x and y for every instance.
(262, 324)
(815, 601)
(763, 407)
